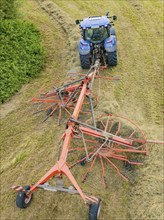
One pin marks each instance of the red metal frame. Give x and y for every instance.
(61, 166)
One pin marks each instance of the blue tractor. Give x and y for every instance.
(98, 41)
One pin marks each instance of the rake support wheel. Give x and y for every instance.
(22, 201)
(82, 161)
(94, 210)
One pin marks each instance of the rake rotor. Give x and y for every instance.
(113, 139)
(62, 99)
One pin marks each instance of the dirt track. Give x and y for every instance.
(27, 144)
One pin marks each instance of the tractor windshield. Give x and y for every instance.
(96, 35)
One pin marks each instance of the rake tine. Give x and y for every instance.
(129, 161)
(129, 136)
(44, 109)
(111, 126)
(75, 163)
(118, 156)
(67, 111)
(34, 113)
(116, 168)
(132, 134)
(59, 117)
(48, 116)
(75, 92)
(102, 124)
(89, 169)
(129, 150)
(103, 172)
(119, 127)
(60, 97)
(106, 126)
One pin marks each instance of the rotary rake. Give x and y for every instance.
(106, 139)
(62, 98)
(112, 137)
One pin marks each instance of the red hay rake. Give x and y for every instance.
(106, 139)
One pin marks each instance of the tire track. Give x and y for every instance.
(68, 29)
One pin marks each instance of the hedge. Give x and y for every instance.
(8, 9)
(21, 55)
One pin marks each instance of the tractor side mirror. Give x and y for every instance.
(114, 18)
(77, 22)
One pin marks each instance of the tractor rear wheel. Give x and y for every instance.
(85, 61)
(112, 58)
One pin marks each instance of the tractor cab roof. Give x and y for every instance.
(95, 21)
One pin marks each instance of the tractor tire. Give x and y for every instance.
(85, 61)
(112, 58)
(94, 210)
(22, 201)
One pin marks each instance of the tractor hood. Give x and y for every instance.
(96, 21)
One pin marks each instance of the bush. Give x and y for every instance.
(21, 55)
(8, 9)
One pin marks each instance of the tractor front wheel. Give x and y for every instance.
(22, 201)
(112, 58)
(85, 61)
(94, 210)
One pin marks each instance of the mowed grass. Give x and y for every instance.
(30, 147)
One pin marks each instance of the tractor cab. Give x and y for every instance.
(96, 35)
(95, 29)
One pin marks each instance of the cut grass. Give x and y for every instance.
(136, 96)
(19, 158)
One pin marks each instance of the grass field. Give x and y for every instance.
(29, 147)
